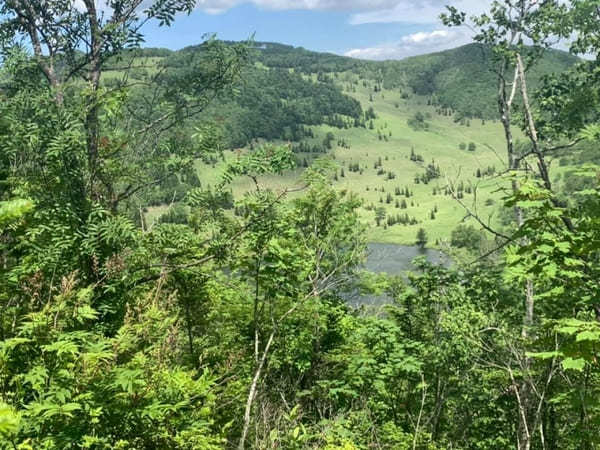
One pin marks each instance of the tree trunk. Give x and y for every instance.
(252, 393)
(92, 120)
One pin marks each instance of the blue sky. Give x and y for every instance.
(371, 29)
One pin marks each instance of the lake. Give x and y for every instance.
(394, 259)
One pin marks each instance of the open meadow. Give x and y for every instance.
(386, 169)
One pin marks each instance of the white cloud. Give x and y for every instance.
(414, 44)
(418, 11)
(218, 6)
(365, 11)
(424, 37)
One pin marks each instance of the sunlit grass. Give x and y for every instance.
(439, 144)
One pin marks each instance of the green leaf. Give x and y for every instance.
(9, 420)
(588, 336)
(13, 210)
(574, 364)
(61, 348)
(544, 355)
(591, 132)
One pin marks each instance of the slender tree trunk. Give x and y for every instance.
(92, 120)
(506, 96)
(256, 296)
(505, 101)
(421, 409)
(523, 395)
(258, 372)
(252, 393)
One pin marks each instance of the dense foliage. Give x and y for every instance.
(278, 104)
(210, 329)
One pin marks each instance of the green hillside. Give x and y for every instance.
(460, 79)
(376, 164)
(381, 148)
(406, 136)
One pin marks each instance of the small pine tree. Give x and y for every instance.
(380, 215)
(422, 238)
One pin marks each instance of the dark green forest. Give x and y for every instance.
(274, 103)
(229, 325)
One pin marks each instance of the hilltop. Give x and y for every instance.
(461, 79)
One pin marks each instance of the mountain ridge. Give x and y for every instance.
(458, 79)
(456, 76)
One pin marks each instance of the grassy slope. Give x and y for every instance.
(460, 79)
(439, 143)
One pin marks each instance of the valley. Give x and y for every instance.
(438, 145)
(425, 152)
(249, 245)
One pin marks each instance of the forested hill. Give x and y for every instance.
(273, 102)
(461, 79)
(285, 56)
(282, 84)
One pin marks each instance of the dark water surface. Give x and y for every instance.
(394, 259)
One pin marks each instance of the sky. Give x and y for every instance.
(368, 29)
